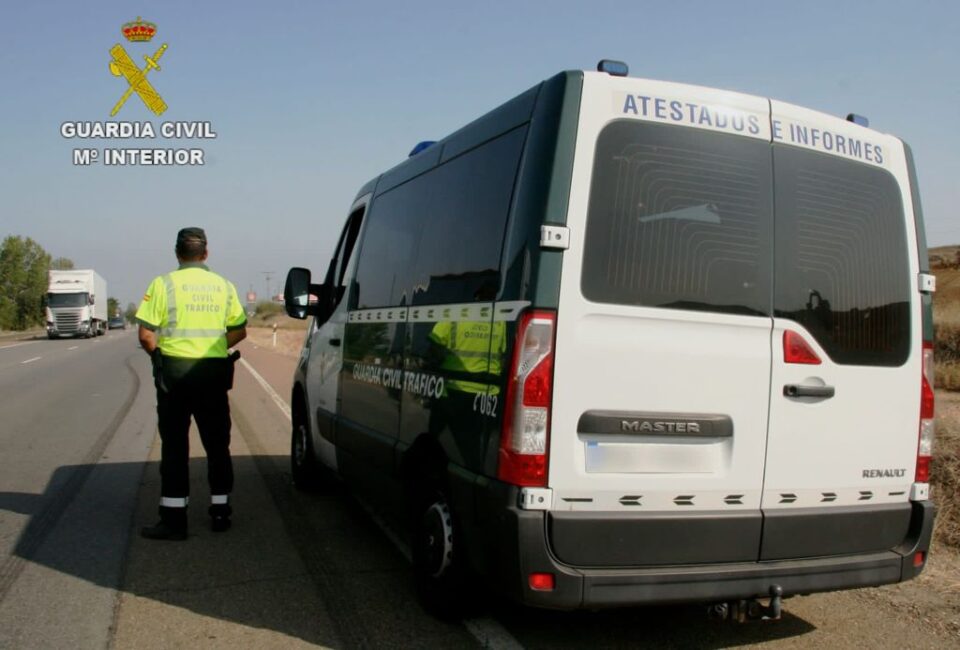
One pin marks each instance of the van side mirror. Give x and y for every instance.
(296, 293)
(302, 299)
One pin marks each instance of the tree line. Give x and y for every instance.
(24, 267)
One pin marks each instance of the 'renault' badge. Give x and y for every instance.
(122, 65)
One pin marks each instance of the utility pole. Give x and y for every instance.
(268, 275)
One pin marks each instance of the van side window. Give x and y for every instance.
(679, 218)
(842, 269)
(388, 246)
(345, 252)
(458, 258)
(437, 238)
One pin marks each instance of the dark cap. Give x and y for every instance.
(191, 235)
(191, 243)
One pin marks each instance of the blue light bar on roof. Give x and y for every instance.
(420, 147)
(613, 68)
(858, 119)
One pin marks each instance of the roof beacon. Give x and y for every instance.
(613, 68)
(858, 119)
(420, 147)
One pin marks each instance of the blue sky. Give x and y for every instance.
(311, 99)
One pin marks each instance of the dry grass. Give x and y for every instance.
(947, 376)
(945, 467)
(945, 471)
(946, 319)
(270, 316)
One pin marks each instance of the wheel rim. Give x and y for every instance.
(300, 445)
(437, 540)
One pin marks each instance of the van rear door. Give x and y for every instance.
(662, 366)
(842, 441)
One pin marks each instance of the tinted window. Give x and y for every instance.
(389, 243)
(841, 262)
(458, 258)
(679, 218)
(438, 238)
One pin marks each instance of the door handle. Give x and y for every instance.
(335, 343)
(799, 390)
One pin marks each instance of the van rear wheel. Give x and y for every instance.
(439, 579)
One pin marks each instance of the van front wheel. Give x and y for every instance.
(303, 464)
(435, 565)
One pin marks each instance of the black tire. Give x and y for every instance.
(304, 467)
(436, 565)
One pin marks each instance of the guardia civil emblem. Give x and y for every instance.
(122, 65)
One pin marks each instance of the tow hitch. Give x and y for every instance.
(741, 611)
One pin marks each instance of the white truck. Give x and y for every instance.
(76, 303)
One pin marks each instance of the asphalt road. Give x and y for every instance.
(78, 476)
(75, 427)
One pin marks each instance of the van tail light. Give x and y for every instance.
(524, 440)
(542, 581)
(797, 350)
(925, 443)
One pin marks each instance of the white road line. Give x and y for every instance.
(74, 347)
(279, 401)
(16, 345)
(23, 363)
(487, 631)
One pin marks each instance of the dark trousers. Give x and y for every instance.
(197, 388)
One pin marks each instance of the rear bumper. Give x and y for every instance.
(737, 581)
(513, 544)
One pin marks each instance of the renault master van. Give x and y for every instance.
(622, 341)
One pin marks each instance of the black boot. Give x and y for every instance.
(220, 517)
(172, 525)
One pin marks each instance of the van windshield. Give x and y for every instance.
(67, 299)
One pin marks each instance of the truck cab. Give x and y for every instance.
(76, 304)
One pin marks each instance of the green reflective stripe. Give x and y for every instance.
(171, 301)
(172, 332)
(150, 326)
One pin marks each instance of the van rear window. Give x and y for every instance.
(842, 269)
(679, 218)
(687, 219)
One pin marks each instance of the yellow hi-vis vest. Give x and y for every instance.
(191, 311)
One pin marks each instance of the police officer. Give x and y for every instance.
(188, 319)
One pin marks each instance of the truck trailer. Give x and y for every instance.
(76, 304)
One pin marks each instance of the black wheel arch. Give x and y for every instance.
(423, 472)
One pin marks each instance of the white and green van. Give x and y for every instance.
(622, 341)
